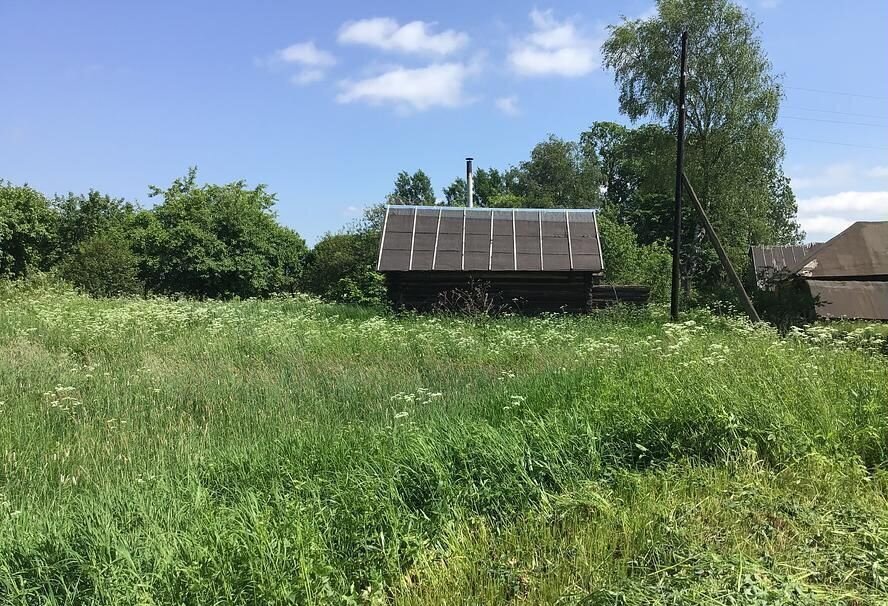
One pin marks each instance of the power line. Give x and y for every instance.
(829, 111)
(837, 143)
(835, 121)
(835, 92)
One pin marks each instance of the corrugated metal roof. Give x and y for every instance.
(858, 300)
(433, 238)
(860, 251)
(766, 260)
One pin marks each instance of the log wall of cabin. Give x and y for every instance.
(528, 292)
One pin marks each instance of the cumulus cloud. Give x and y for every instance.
(553, 48)
(418, 89)
(306, 53)
(870, 202)
(415, 37)
(822, 217)
(508, 105)
(819, 228)
(312, 60)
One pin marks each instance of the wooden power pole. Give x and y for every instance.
(679, 172)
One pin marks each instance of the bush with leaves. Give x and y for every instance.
(26, 230)
(217, 241)
(341, 267)
(103, 266)
(628, 262)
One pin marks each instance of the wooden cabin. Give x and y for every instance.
(526, 260)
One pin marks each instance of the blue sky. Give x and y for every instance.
(326, 102)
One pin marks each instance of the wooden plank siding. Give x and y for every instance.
(524, 292)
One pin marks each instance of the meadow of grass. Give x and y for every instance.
(291, 452)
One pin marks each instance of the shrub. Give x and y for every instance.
(217, 241)
(26, 228)
(103, 266)
(786, 301)
(628, 262)
(341, 267)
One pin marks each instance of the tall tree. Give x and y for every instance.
(412, 189)
(558, 175)
(456, 193)
(734, 149)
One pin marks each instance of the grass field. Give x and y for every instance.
(289, 452)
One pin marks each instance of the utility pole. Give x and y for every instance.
(679, 172)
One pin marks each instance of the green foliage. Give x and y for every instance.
(292, 452)
(491, 188)
(558, 175)
(638, 175)
(81, 218)
(785, 301)
(26, 230)
(217, 241)
(342, 267)
(734, 149)
(456, 193)
(103, 266)
(412, 189)
(628, 262)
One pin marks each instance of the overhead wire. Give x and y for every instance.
(837, 143)
(834, 121)
(836, 92)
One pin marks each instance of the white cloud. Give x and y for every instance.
(307, 76)
(819, 228)
(508, 105)
(306, 54)
(437, 85)
(822, 217)
(414, 37)
(837, 177)
(553, 48)
(312, 60)
(871, 202)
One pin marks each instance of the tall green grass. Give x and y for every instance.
(291, 452)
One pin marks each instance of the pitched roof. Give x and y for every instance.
(852, 299)
(435, 238)
(858, 252)
(769, 259)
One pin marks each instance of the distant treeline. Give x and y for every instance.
(224, 240)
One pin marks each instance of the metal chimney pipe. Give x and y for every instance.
(470, 182)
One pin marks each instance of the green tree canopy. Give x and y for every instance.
(456, 193)
(27, 226)
(412, 189)
(558, 175)
(217, 241)
(342, 267)
(80, 217)
(734, 149)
